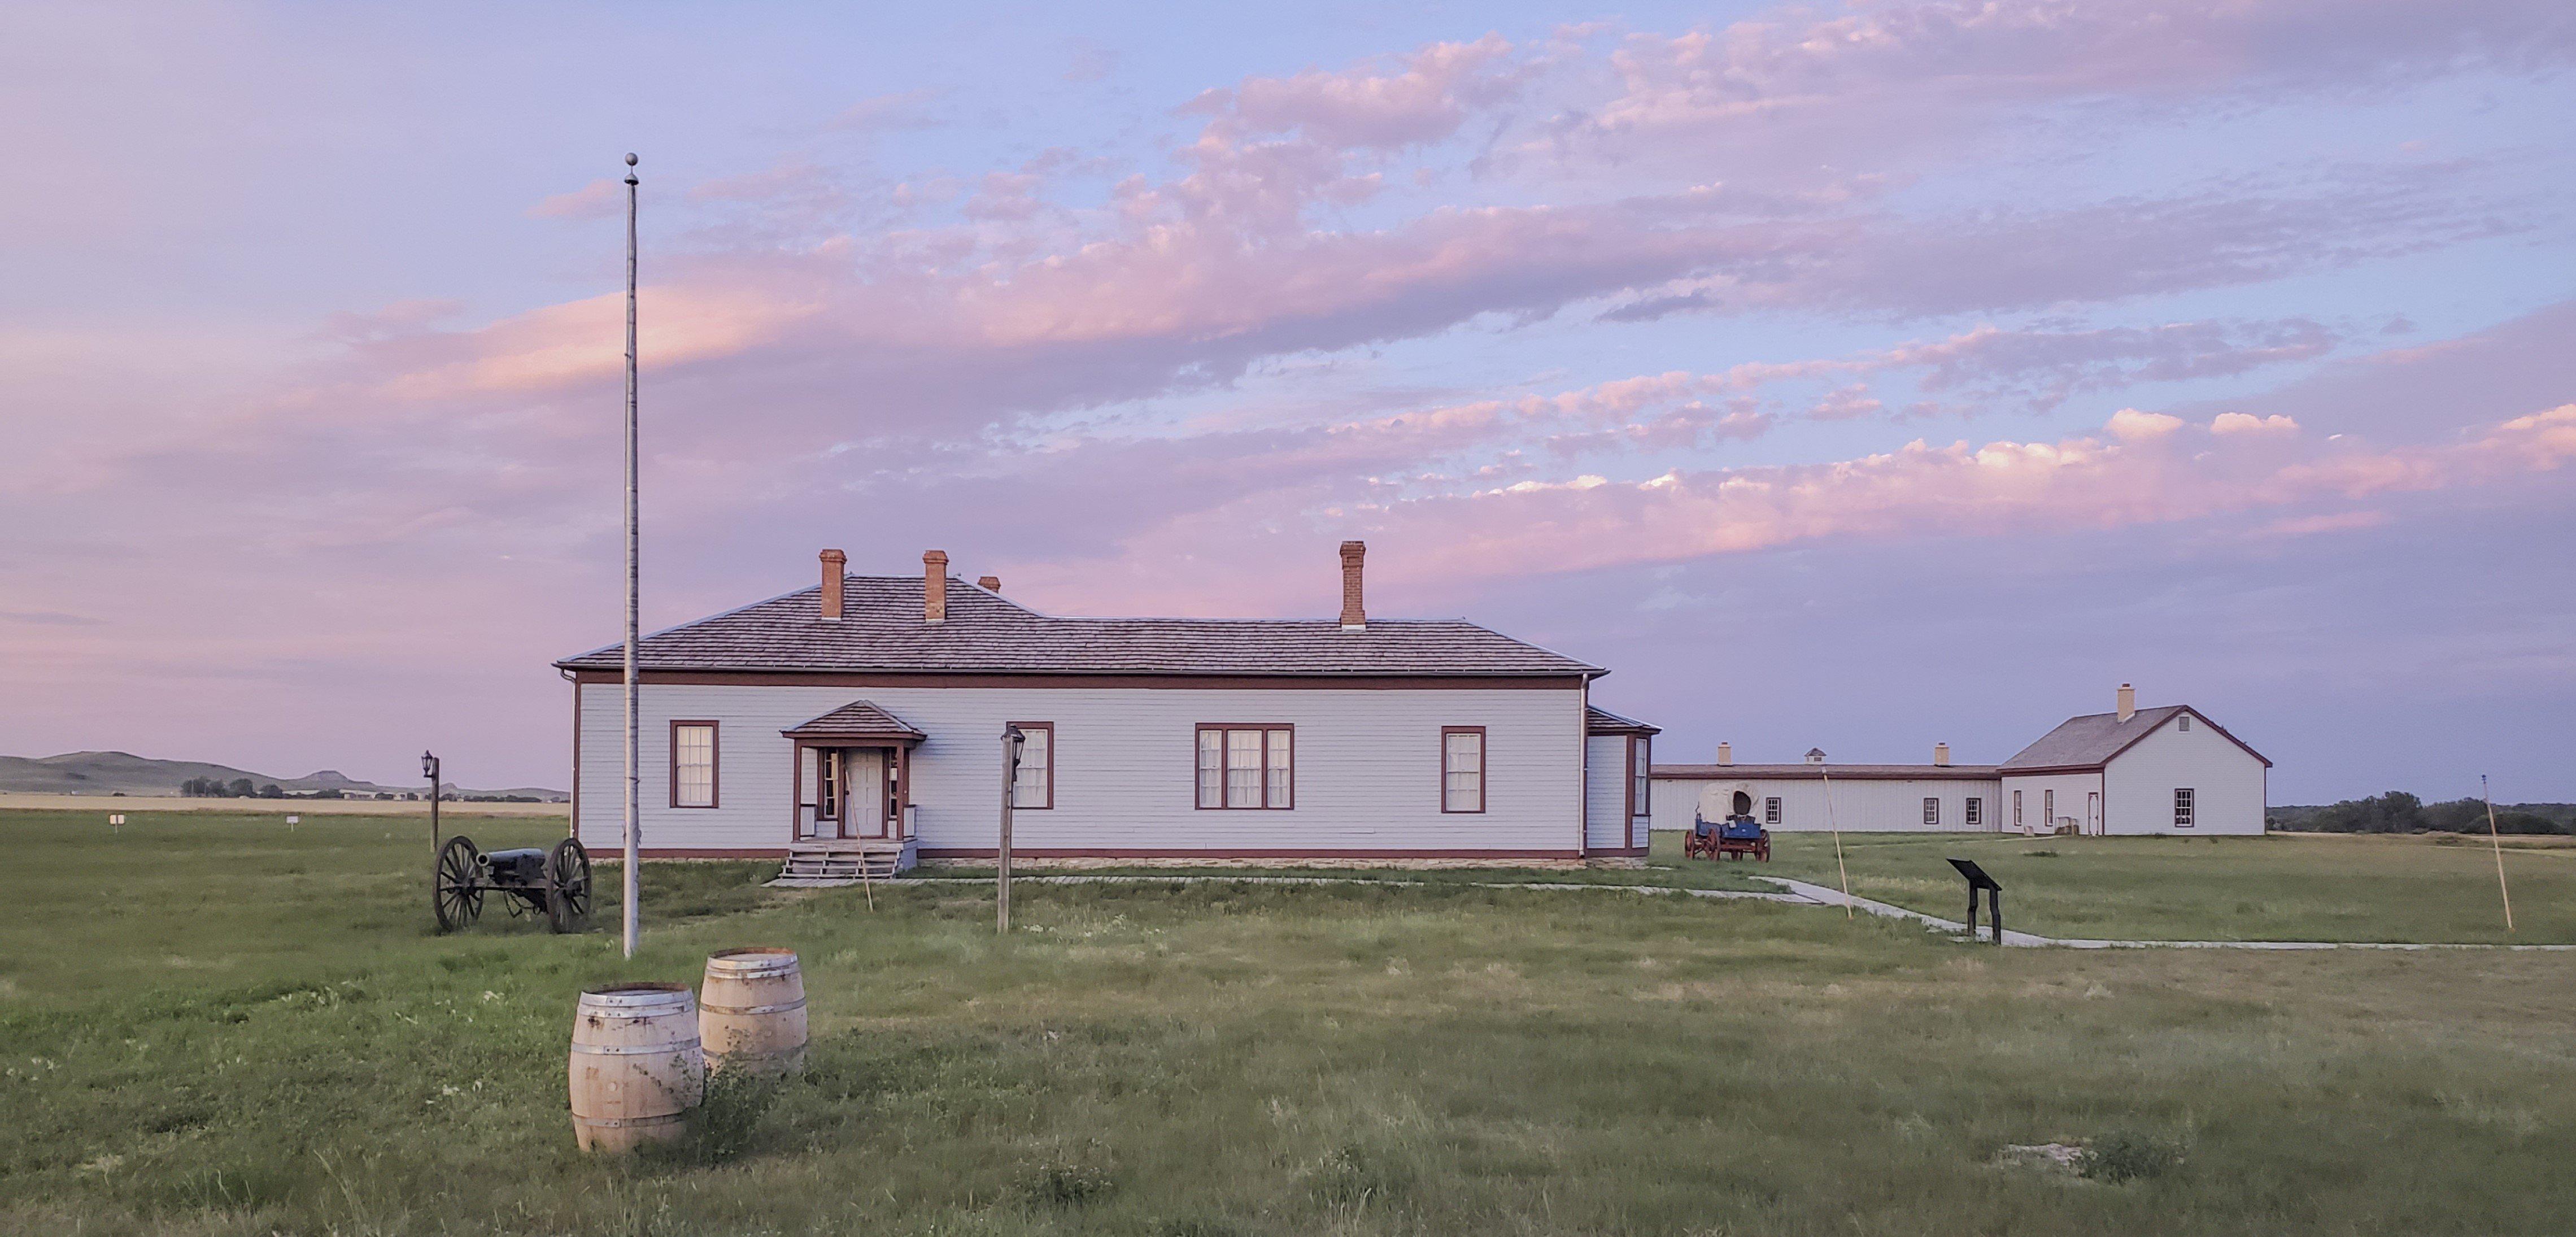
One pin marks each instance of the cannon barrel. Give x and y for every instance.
(526, 866)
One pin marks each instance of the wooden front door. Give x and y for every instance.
(863, 812)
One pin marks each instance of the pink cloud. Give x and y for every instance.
(2242, 423)
(600, 199)
(1426, 101)
(1794, 86)
(1462, 536)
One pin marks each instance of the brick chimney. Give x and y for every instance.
(2128, 702)
(1354, 617)
(835, 564)
(1726, 753)
(1940, 753)
(934, 586)
(990, 584)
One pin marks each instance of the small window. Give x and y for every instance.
(2183, 807)
(2186, 722)
(1771, 811)
(2016, 809)
(1641, 784)
(1462, 768)
(693, 764)
(2048, 809)
(1246, 767)
(1931, 810)
(1973, 812)
(1036, 785)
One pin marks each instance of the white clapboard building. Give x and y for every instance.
(860, 723)
(2167, 769)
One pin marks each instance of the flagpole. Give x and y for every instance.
(634, 600)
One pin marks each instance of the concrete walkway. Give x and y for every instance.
(1833, 897)
(1793, 892)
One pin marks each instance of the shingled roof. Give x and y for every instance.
(1598, 720)
(882, 630)
(857, 719)
(1817, 772)
(2090, 741)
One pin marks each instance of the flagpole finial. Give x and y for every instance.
(630, 165)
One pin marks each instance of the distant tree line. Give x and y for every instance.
(238, 788)
(2400, 812)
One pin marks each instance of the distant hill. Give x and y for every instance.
(110, 773)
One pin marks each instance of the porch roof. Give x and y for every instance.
(858, 719)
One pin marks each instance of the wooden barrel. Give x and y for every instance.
(752, 1017)
(636, 1067)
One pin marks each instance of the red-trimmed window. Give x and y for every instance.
(1247, 766)
(1036, 786)
(693, 764)
(1462, 768)
(1640, 775)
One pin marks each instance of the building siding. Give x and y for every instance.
(1605, 793)
(1367, 767)
(2071, 790)
(1875, 805)
(2228, 783)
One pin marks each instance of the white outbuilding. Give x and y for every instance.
(2130, 771)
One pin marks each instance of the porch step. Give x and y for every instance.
(813, 864)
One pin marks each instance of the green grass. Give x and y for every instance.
(208, 1026)
(2286, 887)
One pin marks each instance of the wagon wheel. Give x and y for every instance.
(456, 889)
(568, 886)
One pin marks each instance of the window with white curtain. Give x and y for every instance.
(693, 764)
(1036, 785)
(1641, 782)
(1247, 766)
(1462, 769)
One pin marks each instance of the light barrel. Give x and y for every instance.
(752, 1013)
(636, 1067)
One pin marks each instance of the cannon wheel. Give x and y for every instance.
(568, 886)
(456, 889)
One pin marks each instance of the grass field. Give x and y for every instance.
(211, 1026)
(2286, 887)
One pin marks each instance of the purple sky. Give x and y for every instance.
(1858, 376)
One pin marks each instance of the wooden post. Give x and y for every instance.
(1838, 845)
(433, 810)
(1994, 910)
(2496, 844)
(1011, 740)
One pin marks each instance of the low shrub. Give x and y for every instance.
(2127, 1155)
(1057, 1184)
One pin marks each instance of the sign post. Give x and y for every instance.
(1979, 881)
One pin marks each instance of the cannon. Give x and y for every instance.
(553, 883)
